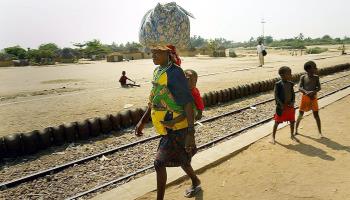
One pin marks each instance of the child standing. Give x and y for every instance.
(284, 97)
(309, 86)
(192, 77)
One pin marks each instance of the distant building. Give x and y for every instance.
(134, 55)
(114, 57)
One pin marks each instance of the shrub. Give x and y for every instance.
(232, 53)
(316, 50)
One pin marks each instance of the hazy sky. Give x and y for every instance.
(33, 22)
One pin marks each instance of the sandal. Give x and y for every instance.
(192, 191)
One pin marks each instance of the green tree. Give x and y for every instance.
(212, 45)
(197, 42)
(49, 46)
(36, 55)
(51, 50)
(268, 40)
(5, 56)
(68, 53)
(132, 47)
(17, 52)
(95, 47)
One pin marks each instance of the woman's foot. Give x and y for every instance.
(193, 191)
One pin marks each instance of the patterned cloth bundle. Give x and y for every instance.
(165, 24)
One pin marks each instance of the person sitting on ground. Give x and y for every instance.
(123, 80)
(285, 98)
(192, 78)
(309, 86)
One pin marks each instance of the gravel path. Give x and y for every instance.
(90, 174)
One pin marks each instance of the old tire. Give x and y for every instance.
(227, 95)
(71, 132)
(135, 116)
(45, 138)
(106, 124)
(3, 150)
(210, 98)
(58, 135)
(233, 93)
(84, 130)
(214, 98)
(220, 95)
(116, 122)
(13, 145)
(126, 121)
(238, 92)
(30, 142)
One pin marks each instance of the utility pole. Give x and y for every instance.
(263, 30)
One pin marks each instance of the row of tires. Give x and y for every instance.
(18, 144)
(28, 143)
(333, 69)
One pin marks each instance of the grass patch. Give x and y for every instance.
(316, 50)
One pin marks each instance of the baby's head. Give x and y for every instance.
(285, 73)
(192, 77)
(310, 67)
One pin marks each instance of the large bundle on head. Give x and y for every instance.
(165, 24)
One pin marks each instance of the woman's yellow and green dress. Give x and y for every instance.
(169, 94)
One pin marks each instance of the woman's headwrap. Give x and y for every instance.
(173, 55)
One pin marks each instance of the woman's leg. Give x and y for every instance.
(190, 172)
(161, 180)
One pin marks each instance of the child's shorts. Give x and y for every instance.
(308, 104)
(288, 115)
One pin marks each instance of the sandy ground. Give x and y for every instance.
(37, 97)
(315, 169)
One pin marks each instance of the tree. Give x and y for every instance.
(95, 47)
(36, 55)
(212, 45)
(50, 50)
(197, 41)
(17, 52)
(260, 38)
(68, 53)
(326, 37)
(133, 47)
(5, 56)
(49, 46)
(268, 40)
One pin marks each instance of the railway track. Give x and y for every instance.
(59, 168)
